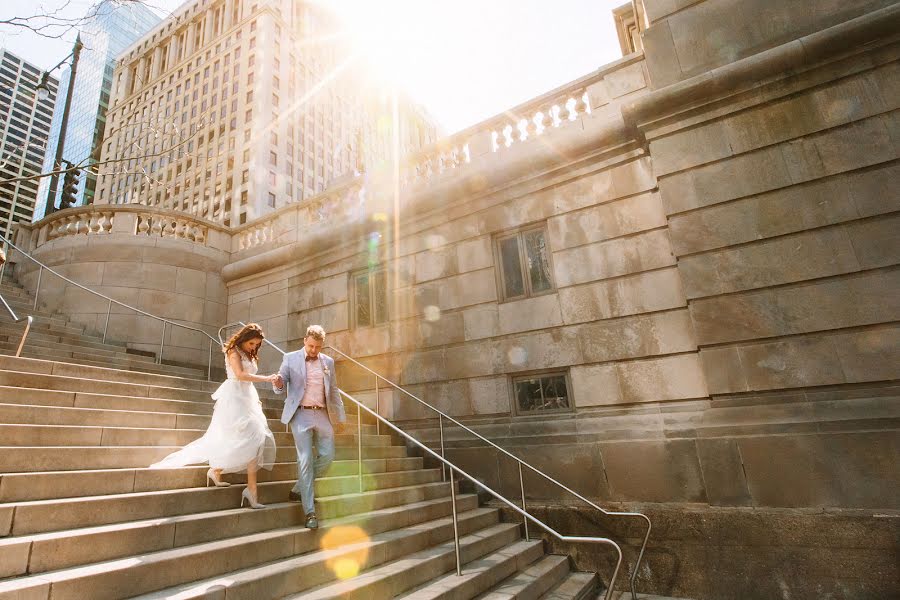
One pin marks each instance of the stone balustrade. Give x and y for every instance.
(173, 226)
(83, 222)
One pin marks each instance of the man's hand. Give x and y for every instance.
(278, 381)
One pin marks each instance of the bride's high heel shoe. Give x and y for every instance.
(211, 477)
(245, 495)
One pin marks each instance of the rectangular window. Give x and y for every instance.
(546, 392)
(524, 261)
(271, 200)
(370, 306)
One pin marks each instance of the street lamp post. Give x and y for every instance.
(43, 92)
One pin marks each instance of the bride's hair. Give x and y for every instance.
(250, 331)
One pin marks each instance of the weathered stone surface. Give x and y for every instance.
(625, 80)
(851, 301)
(592, 262)
(634, 294)
(595, 385)
(435, 264)
(605, 221)
(723, 472)
(661, 379)
(653, 471)
(788, 259)
(304, 296)
(633, 337)
(528, 314)
(481, 321)
(474, 254)
(869, 355)
(875, 241)
(489, 395)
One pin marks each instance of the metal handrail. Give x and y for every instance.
(445, 463)
(28, 321)
(111, 301)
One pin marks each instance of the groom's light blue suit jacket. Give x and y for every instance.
(293, 371)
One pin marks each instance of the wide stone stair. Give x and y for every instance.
(54, 337)
(82, 517)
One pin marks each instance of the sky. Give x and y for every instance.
(463, 60)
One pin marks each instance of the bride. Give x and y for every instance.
(238, 437)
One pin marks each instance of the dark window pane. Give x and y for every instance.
(556, 396)
(363, 302)
(538, 260)
(380, 294)
(528, 394)
(513, 285)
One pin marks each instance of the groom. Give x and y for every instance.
(312, 404)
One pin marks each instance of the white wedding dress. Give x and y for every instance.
(237, 434)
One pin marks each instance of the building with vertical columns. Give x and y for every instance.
(232, 108)
(105, 35)
(24, 131)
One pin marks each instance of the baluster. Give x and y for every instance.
(200, 235)
(108, 221)
(508, 136)
(156, 227)
(522, 126)
(94, 224)
(571, 104)
(495, 141)
(71, 225)
(190, 231)
(81, 226)
(143, 224)
(586, 103)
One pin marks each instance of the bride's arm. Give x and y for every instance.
(240, 374)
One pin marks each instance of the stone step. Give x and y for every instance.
(128, 362)
(27, 459)
(84, 435)
(69, 349)
(338, 496)
(428, 546)
(151, 572)
(24, 487)
(37, 334)
(48, 326)
(186, 411)
(531, 582)
(29, 414)
(65, 549)
(479, 575)
(576, 586)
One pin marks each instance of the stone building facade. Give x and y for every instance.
(672, 284)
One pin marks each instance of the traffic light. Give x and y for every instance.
(70, 188)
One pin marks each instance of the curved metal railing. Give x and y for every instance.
(28, 321)
(523, 511)
(166, 322)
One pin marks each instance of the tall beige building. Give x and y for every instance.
(233, 108)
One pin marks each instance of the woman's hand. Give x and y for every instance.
(272, 378)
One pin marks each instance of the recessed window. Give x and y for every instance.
(524, 263)
(546, 392)
(369, 295)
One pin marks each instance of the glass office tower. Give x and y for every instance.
(107, 34)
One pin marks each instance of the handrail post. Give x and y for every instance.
(443, 468)
(522, 488)
(162, 341)
(209, 362)
(37, 289)
(377, 408)
(455, 521)
(106, 326)
(359, 446)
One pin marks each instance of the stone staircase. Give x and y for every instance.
(53, 336)
(82, 517)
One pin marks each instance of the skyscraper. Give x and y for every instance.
(111, 28)
(24, 131)
(233, 108)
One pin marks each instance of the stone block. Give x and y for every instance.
(625, 80)
(875, 241)
(662, 61)
(481, 321)
(725, 180)
(333, 318)
(788, 259)
(442, 329)
(645, 292)
(688, 148)
(723, 472)
(489, 395)
(191, 283)
(605, 221)
(474, 254)
(851, 301)
(657, 380)
(623, 256)
(850, 470)
(540, 312)
(145, 276)
(270, 304)
(435, 264)
(862, 143)
(577, 466)
(653, 471)
(533, 351)
(595, 385)
(874, 191)
(793, 362)
(775, 213)
(635, 337)
(458, 292)
(370, 341)
(595, 188)
(870, 355)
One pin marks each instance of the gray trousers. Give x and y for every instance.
(311, 428)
